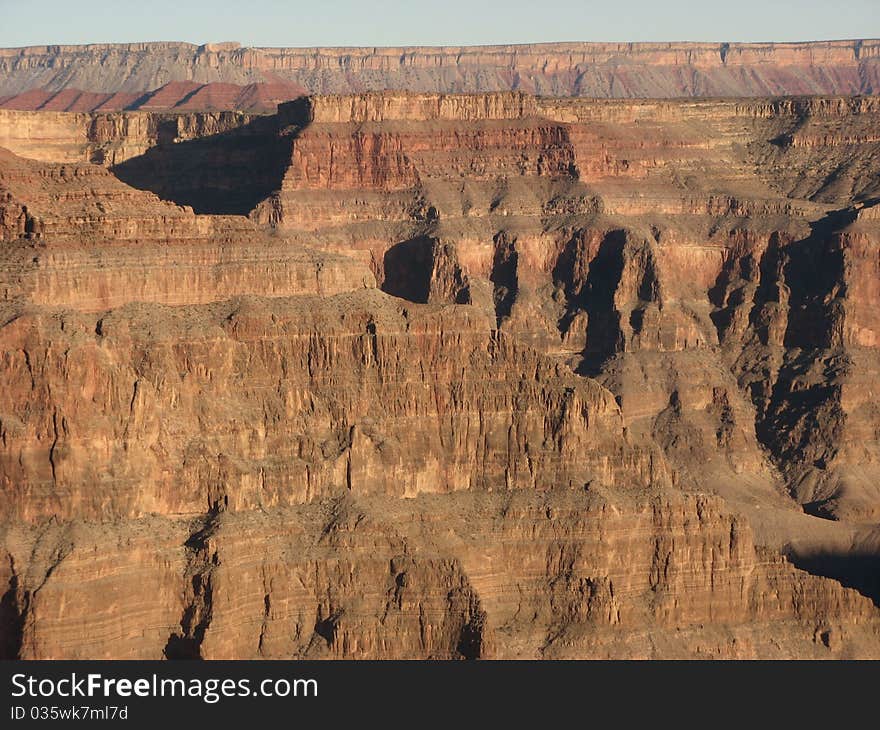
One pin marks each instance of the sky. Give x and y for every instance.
(427, 22)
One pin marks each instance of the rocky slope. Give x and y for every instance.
(455, 376)
(616, 70)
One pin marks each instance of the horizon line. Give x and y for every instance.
(237, 45)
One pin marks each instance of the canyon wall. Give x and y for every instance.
(450, 376)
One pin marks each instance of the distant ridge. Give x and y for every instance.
(602, 70)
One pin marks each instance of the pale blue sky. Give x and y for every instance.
(437, 22)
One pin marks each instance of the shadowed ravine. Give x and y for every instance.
(223, 174)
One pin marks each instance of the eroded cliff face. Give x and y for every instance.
(511, 574)
(297, 398)
(477, 376)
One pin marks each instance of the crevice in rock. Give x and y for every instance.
(800, 424)
(422, 270)
(814, 273)
(16, 604)
(471, 638)
(604, 337)
(13, 610)
(267, 606)
(793, 362)
(327, 628)
(504, 275)
(373, 340)
(202, 560)
(771, 289)
(407, 268)
(569, 276)
(52, 448)
(728, 293)
(649, 289)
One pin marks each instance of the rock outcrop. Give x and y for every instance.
(453, 376)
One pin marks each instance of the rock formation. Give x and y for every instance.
(426, 375)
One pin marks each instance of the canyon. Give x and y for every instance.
(429, 375)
